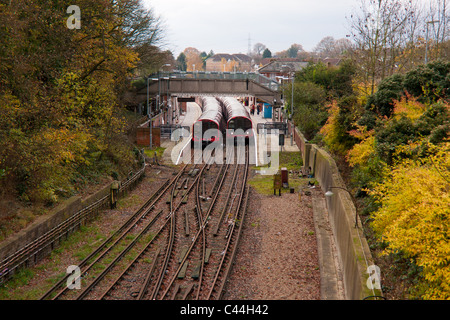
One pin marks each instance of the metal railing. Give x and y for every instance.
(168, 129)
(212, 75)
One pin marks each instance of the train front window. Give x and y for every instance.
(200, 127)
(239, 123)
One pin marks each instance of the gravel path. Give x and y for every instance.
(277, 257)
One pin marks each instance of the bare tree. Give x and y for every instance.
(329, 47)
(258, 49)
(380, 31)
(342, 46)
(325, 47)
(143, 31)
(436, 26)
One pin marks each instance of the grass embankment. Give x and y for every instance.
(293, 162)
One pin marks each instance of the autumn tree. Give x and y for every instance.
(194, 61)
(413, 217)
(60, 93)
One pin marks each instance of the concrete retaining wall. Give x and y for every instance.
(352, 246)
(40, 226)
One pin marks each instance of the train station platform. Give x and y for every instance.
(193, 112)
(186, 119)
(263, 141)
(288, 147)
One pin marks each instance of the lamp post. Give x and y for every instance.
(292, 100)
(157, 101)
(330, 193)
(149, 114)
(426, 45)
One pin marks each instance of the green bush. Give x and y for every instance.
(429, 82)
(382, 102)
(336, 81)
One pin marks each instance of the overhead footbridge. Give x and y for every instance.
(188, 84)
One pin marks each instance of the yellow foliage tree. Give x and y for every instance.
(359, 154)
(409, 107)
(414, 217)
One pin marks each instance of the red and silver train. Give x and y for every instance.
(238, 121)
(220, 115)
(211, 125)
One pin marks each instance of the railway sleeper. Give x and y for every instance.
(208, 255)
(175, 291)
(187, 291)
(193, 172)
(182, 273)
(182, 254)
(196, 272)
(182, 183)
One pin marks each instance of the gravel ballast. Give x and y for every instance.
(277, 258)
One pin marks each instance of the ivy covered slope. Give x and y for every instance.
(61, 93)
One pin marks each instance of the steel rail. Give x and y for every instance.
(123, 231)
(107, 269)
(33, 248)
(204, 223)
(131, 245)
(243, 187)
(130, 221)
(169, 250)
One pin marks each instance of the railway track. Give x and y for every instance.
(179, 245)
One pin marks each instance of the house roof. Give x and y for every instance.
(243, 57)
(233, 57)
(280, 66)
(328, 61)
(269, 60)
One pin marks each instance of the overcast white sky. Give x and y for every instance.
(225, 26)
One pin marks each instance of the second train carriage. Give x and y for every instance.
(238, 120)
(210, 126)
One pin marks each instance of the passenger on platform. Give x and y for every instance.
(259, 108)
(252, 109)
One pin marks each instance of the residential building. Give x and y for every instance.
(224, 62)
(280, 69)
